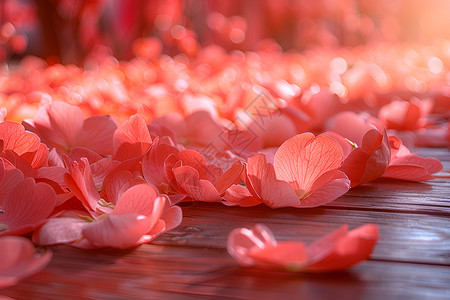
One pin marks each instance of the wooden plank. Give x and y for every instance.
(162, 272)
(431, 197)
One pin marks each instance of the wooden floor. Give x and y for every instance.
(410, 261)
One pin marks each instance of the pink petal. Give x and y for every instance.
(81, 183)
(198, 189)
(131, 139)
(323, 246)
(61, 230)
(239, 195)
(16, 139)
(58, 124)
(287, 255)
(276, 193)
(26, 206)
(353, 126)
(138, 199)
(172, 217)
(432, 165)
(153, 162)
(202, 129)
(242, 240)
(19, 163)
(255, 168)
(55, 174)
(326, 188)
(97, 134)
(194, 159)
(118, 231)
(407, 172)
(355, 246)
(101, 169)
(304, 158)
(263, 184)
(346, 144)
(370, 161)
(40, 158)
(79, 152)
(10, 179)
(18, 260)
(397, 147)
(116, 185)
(230, 177)
(54, 159)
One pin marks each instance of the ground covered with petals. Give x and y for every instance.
(102, 157)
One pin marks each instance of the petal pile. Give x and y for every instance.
(106, 155)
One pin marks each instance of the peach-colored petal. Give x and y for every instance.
(131, 139)
(27, 205)
(19, 260)
(54, 159)
(304, 158)
(269, 153)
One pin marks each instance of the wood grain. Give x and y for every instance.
(170, 272)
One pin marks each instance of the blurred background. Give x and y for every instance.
(69, 31)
